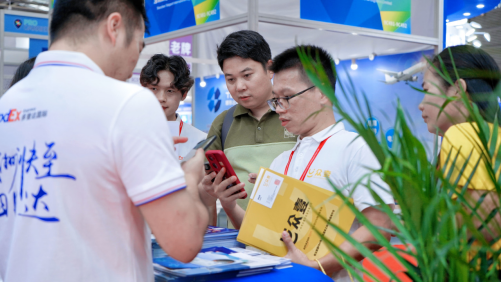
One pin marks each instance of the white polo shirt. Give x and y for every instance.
(79, 152)
(182, 129)
(345, 159)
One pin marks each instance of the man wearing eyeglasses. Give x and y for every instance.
(324, 148)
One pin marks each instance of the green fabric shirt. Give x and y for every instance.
(251, 143)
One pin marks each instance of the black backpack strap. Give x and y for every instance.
(227, 122)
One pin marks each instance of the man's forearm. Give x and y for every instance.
(236, 216)
(213, 215)
(361, 235)
(201, 212)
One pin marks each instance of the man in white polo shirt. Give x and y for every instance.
(324, 147)
(169, 79)
(87, 159)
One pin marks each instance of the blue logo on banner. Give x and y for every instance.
(374, 124)
(26, 25)
(389, 137)
(214, 99)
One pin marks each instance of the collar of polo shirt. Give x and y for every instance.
(323, 134)
(66, 58)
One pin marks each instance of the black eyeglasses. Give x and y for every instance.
(276, 102)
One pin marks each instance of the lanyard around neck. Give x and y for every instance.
(181, 126)
(311, 160)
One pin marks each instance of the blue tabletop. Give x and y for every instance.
(296, 273)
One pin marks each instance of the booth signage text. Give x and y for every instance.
(170, 15)
(26, 25)
(387, 15)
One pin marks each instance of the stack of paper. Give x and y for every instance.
(217, 263)
(215, 237)
(221, 237)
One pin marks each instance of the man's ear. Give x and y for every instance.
(184, 96)
(269, 73)
(324, 99)
(113, 24)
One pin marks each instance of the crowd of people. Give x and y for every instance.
(85, 184)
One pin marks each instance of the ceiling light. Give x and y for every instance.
(372, 56)
(480, 6)
(475, 25)
(337, 61)
(476, 43)
(467, 14)
(470, 32)
(217, 76)
(447, 21)
(354, 66)
(459, 22)
(487, 36)
(353, 33)
(202, 82)
(471, 38)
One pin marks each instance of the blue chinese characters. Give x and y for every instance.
(17, 198)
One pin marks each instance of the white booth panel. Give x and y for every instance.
(15, 57)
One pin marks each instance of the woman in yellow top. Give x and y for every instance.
(478, 77)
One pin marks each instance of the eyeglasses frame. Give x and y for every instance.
(271, 101)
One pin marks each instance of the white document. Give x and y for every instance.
(268, 189)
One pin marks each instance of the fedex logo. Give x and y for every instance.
(22, 115)
(11, 116)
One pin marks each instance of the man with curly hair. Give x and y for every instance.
(169, 79)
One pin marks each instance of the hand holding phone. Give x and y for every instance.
(218, 161)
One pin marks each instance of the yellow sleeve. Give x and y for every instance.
(461, 141)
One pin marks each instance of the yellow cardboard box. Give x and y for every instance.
(280, 203)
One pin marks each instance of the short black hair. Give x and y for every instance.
(480, 73)
(173, 64)
(22, 71)
(246, 44)
(76, 18)
(291, 59)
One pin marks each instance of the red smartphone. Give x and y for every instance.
(218, 160)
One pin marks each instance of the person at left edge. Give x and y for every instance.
(88, 167)
(169, 79)
(22, 71)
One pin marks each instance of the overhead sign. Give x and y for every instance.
(26, 25)
(210, 101)
(182, 47)
(387, 15)
(171, 15)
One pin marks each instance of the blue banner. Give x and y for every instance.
(387, 15)
(385, 80)
(210, 101)
(26, 25)
(171, 15)
(37, 46)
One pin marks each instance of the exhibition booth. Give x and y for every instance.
(380, 48)
(379, 44)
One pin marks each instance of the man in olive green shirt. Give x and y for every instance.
(256, 136)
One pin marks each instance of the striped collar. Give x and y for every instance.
(66, 59)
